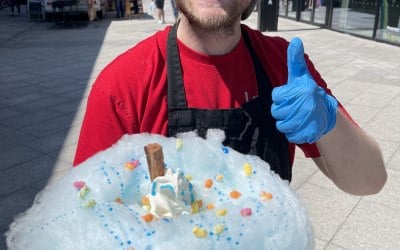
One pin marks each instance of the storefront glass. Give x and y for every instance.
(354, 16)
(389, 21)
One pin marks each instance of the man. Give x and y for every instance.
(209, 71)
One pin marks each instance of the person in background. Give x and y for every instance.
(91, 5)
(120, 8)
(15, 4)
(174, 10)
(160, 11)
(211, 71)
(127, 8)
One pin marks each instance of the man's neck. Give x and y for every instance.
(218, 42)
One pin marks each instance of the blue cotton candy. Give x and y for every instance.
(59, 219)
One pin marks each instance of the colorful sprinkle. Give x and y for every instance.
(119, 200)
(179, 144)
(235, 194)
(218, 229)
(79, 184)
(90, 204)
(221, 212)
(200, 203)
(210, 206)
(83, 192)
(147, 217)
(219, 177)
(208, 183)
(247, 169)
(131, 165)
(195, 207)
(199, 232)
(145, 201)
(266, 196)
(246, 212)
(189, 177)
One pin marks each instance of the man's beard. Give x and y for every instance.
(210, 21)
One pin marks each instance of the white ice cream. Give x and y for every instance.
(171, 195)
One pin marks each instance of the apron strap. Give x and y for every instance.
(176, 91)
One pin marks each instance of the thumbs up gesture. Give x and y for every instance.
(303, 111)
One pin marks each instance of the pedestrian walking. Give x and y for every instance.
(13, 4)
(160, 11)
(174, 10)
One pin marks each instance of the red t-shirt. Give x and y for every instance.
(130, 94)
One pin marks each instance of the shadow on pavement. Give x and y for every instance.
(44, 74)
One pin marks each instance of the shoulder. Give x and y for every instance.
(135, 67)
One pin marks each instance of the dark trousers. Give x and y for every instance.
(14, 3)
(120, 8)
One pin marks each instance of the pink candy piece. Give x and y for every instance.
(79, 184)
(246, 212)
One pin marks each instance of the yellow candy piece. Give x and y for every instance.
(90, 204)
(221, 212)
(146, 208)
(83, 192)
(179, 144)
(189, 177)
(219, 177)
(247, 169)
(195, 207)
(218, 229)
(199, 232)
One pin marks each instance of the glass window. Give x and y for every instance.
(389, 21)
(354, 16)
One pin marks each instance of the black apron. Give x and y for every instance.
(250, 129)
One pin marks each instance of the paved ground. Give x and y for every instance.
(46, 72)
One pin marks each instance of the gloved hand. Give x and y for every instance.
(303, 110)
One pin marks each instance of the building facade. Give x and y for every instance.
(373, 19)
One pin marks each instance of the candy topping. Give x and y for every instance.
(199, 232)
(221, 212)
(247, 169)
(218, 229)
(235, 194)
(147, 217)
(246, 212)
(131, 165)
(265, 196)
(79, 184)
(208, 183)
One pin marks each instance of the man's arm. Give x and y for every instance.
(351, 158)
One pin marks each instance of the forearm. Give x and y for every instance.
(351, 159)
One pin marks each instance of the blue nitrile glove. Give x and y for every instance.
(303, 110)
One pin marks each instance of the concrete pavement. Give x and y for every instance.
(45, 76)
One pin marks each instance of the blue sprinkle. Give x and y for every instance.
(110, 209)
(225, 150)
(228, 238)
(129, 242)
